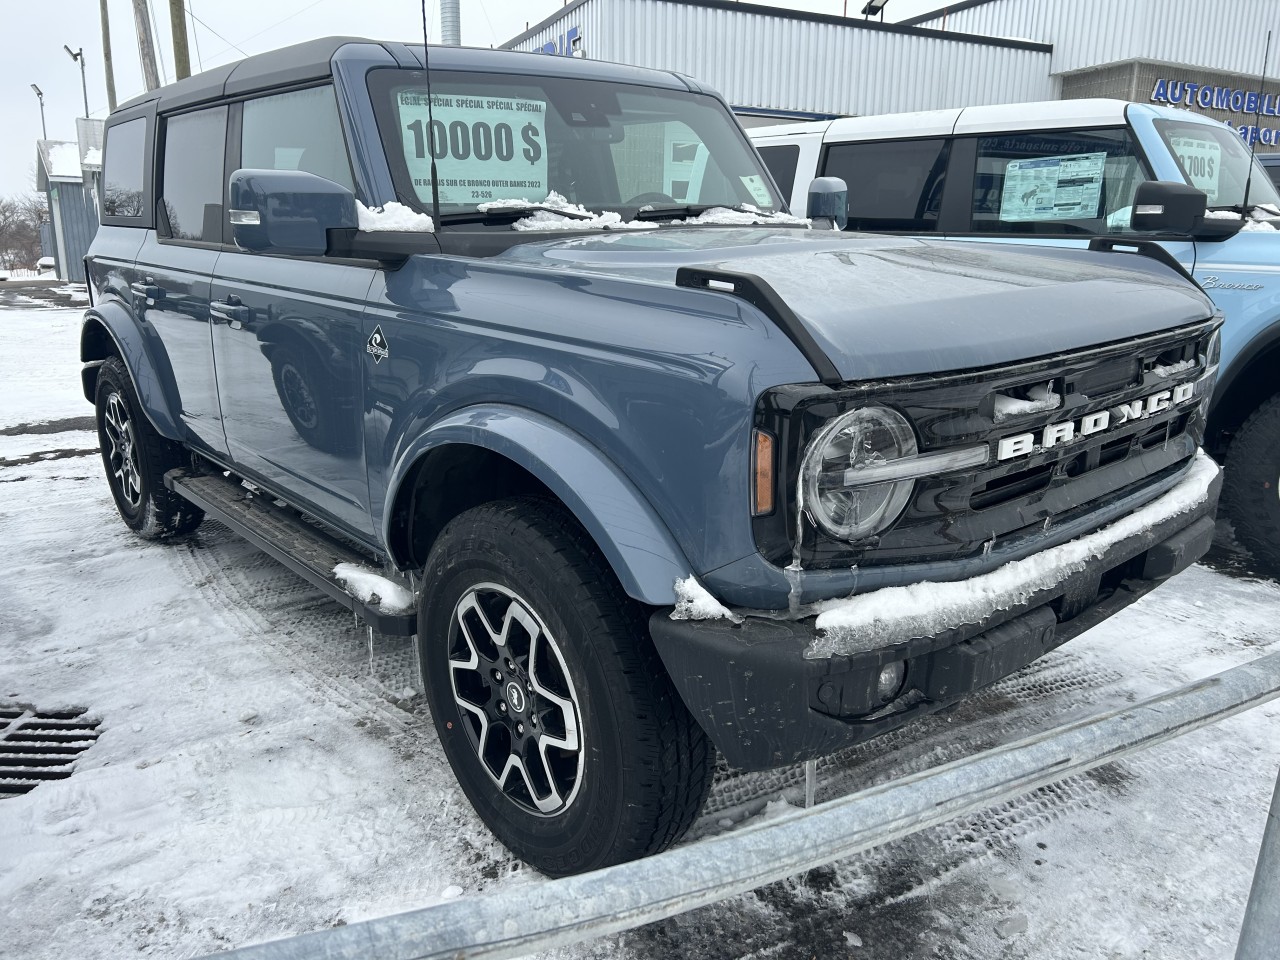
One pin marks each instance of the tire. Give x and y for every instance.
(1251, 485)
(615, 768)
(136, 458)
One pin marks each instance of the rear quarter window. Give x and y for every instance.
(124, 170)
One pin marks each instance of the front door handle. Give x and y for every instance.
(230, 311)
(147, 290)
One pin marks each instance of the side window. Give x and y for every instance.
(782, 161)
(190, 205)
(125, 155)
(1069, 181)
(893, 184)
(296, 131)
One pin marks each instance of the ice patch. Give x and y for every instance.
(369, 586)
(694, 602)
(897, 614)
(393, 216)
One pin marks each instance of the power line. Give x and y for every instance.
(230, 45)
(155, 30)
(195, 36)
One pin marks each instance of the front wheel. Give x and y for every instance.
(136, 459)
(553, 708)
(1251, 485)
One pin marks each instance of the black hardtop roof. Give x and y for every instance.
(312, 60)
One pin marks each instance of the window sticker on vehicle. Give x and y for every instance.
(486, 148)
(759, 192)
(1201, 160)
(1053, 188)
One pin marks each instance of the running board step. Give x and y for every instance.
(279, 531)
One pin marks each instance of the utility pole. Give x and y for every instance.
(178, 27)
(106, 55)
(146, 46)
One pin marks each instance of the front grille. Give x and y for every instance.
(965, 514)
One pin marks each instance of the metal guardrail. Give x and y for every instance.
(510, 923)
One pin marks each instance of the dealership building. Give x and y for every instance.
(776, 65)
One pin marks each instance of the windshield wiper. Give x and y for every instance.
(509, 212)
(668, 212)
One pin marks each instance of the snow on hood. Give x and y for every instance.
(723, 216)
(891, 306)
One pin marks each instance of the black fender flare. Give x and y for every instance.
(110, 328)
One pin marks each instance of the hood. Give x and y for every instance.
(890, 306)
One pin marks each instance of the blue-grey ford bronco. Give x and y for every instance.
(523, 356)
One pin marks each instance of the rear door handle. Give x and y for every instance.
(231, 311)
(147, 290)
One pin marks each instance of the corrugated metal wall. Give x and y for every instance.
(78, 223)
(1227, 35)
(779, 63)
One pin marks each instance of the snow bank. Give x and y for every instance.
(896, 614)
(369, 586)
(393, 216)
(694, 602)
(723, 216)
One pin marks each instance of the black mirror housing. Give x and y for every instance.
(1162, 206)
(288, 212)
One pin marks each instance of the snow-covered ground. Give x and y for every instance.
(264, 770)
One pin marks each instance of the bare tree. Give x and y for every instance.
(20, 219)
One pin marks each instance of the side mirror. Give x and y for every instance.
(1166, 207)
(829, 200)
(288, 211)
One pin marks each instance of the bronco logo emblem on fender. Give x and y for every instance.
(1068, 430)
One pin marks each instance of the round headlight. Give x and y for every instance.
(865, 437)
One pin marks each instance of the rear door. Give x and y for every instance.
(287, 331)
(170, 279)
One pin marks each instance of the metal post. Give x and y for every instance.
(44, 133)
(146, 46)
(1260, 932)
(450, 23)
(106, 55)
(78, 56)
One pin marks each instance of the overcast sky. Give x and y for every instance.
(221, 31)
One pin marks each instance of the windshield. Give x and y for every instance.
(1215, 160)
(606, 146)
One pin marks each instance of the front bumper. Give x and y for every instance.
(764, 704)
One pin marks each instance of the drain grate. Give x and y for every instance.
(36, 747)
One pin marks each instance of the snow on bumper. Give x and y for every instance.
(894, 614)
(770, 689)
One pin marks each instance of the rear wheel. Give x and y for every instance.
(136, 459)
(554, 710)
(1251, 485)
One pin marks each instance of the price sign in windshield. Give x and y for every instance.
(485, 148)
(1201, 160)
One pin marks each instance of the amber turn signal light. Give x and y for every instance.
(762, 474)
